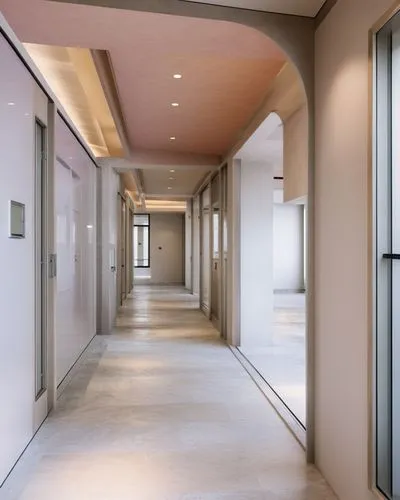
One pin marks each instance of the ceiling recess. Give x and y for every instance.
(307, 8)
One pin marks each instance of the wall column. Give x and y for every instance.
(233, 277)
(256, 253)
(108, 249)
(188, 245)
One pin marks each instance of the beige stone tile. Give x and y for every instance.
(162, 410)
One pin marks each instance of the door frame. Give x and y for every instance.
(215, 204)
(121, 249)
(206, 310)
(224, 261)
(45, 256)
(374, 237)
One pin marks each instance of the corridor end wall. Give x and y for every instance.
(167, 249)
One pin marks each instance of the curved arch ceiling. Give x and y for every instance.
(227, 73)
(227, 69)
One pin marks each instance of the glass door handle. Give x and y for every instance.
(391, 256)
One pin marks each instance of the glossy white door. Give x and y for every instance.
(75, 183)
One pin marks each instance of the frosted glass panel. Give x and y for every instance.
(216, 234)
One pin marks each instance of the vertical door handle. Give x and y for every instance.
(391, 256)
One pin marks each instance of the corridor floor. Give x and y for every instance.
(162, 410)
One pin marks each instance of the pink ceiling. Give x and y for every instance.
(226, 69)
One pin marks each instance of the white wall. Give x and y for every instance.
(233, 261)
(341, 244)
(17, 290)
(288, 247)
(188, 246)
(167, 263)
(75, 202)
(256, 253)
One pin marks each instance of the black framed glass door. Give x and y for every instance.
(387, 260)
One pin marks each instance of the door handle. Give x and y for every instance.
(391, 256)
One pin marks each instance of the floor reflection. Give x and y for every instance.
(282, 364)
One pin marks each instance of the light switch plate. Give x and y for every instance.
(17, 220)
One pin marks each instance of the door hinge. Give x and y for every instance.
(52, 265)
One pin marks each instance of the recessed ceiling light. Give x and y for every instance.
(177, 76)
(11, 104)
(174, 104)
(169, 187)
(172, 138)
(172, 171)
(172, 178)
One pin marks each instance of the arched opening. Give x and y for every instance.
(180, 139)
(273, 199)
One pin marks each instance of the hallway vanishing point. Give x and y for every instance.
(162, 410)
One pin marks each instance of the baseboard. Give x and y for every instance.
(205, 309)
(74, 368)
(215, 323)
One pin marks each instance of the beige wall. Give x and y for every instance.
(167, 263)
(341, 239)
(295, 155)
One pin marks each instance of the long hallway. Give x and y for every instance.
(162, 410)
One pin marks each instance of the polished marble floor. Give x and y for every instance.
(162, 410)
(283, 362)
